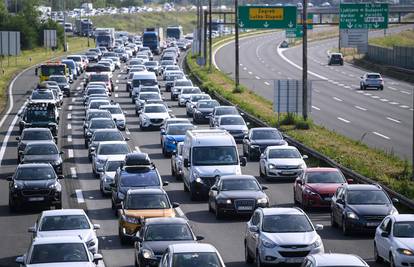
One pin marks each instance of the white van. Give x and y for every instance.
(142, 78)
(208, 155)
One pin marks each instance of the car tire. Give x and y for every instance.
(377, 257)
(185, 187)
(258, 263)
(173, 173)
(345, 229)
(193, 195)
(334, 224)
(247, 257)
(218, 213)
(210, 209)
(122, 238)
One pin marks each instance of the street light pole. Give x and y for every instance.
(236, 44)
(64, 30)
(209, 36)
(305, 61)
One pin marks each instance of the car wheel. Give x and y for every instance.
(218, 213)
(392, 262)
(333, 222)
(185, 187)
(193, 195)
(210, 209)
(260, 172)
(12, 206)
(377, 257)
(247, 257)
(345, 229)
(173, 173)
(257, 259)
(122, 238)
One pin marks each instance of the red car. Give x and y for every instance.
(316, 186)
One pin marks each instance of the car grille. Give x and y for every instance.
(209, 181)
(244, 203)
(156, 120)
(32, 192)
(291, 254)
(293, 246)
(286, 167)
(326, 195)
(374, 217)
(235, 132)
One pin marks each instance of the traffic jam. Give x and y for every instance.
(207, 144)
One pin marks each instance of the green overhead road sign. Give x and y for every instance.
(363, 16)
(295, 32)
(267, 17)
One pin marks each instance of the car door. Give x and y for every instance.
(382, 242)
(214, 193)
(263, 160)
(336, 207)
(252, 237)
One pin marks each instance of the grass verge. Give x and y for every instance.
(404, 38)
(375, 164)
(13, 65)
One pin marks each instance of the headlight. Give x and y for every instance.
(262, 200)
(272, 166)
(268, 244)
(393, 211)
(405, 252)
(198, 180)
(310, 192)
(132, 220)
(91, 243)
(147, 254)
(302, 166)
(52, 186)
(352, 215)
(17, 186)
(224, 201)
(316, 244)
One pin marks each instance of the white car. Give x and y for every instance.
(108, 175)
(153, 115)
(108, 150)
(281, 162)
(67, 222)
(394, 240)
(281, 235)
(62, 251)
(235, 125)
(117, 115)
(141, 98)
(334, 260)
(186, 93)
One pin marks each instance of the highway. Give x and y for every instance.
(382, 119)
(81, 189)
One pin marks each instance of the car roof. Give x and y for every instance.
(403, 217)
(282, 147)
(110, 106)
(282, 211)
(337, 259)
(34, 165)
(112, 143)
(101, 119)
(237, 177)
(192, 247)
(36, 130)
(146, 191)
(63, 212)
(322, 169)
(57, 240)
(165, 220)
(367, 187)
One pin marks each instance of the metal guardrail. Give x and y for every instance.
(346, 171)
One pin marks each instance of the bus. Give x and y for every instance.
(56, 68)
(175, 32)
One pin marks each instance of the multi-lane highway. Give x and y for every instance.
(382, 119)
(81, 188)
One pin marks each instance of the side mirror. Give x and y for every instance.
(385, 234)
(97, 258)
(60, 177)
(243, 161)
(186, 163)
(136, 239)
(199, 238)
(20, 260)
(253, 229)
(9, 178)
(214, 188)
(305, 157)
(31, 229)
(264, 187)
(165, 183)
(318, 227)
(350, 181)
(175, 205)
(96, 226)
(340, 201)
(395, 200)
(18, 138)
(299, 181)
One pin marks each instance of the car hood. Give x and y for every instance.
(288, 162)
(153, 213)
(177, 138)
(234, 127)
(62, 264)
(268, 142)
(371, 209)
(111, 157)
(86, 234)
(324, 188)
(405, 242)
(220, 170)
(157, 115)
(41, 158)
(242, 194)
(159, 247)
(120, 117)
(35, 184)
(305, 238)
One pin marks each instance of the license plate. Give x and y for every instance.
(245, 208)
(36, 198)
(327, 199)
(294, 260)
(373, 223)
(287, 172)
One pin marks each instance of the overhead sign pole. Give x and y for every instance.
(305, 61)
(236, 44)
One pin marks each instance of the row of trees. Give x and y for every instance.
(27, 22)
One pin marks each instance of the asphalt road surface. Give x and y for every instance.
(381, 119)
(81, 189)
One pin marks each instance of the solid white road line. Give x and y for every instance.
(73, 173)
(79, 196)
(337, 99)
(344, 120)
(69, 126)
(360, 108)
(315, 107)
(381, 135)
(69, 138)
(394, 120)
(70, 153)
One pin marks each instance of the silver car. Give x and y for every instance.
(192, 102)
(112, 150)
(372, 80)
(107, 175)
(281, 235)
(334, 260)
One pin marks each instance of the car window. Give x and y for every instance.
(384, 224)
(283, 153)
(286, 223)
(404, 229)
(43, 149)
(107, 136)
(191, 259)
(140, 178)
(111, 149)
(147, 201)
(168, 232)
(324, 177)
(36, 135)
(266, 134)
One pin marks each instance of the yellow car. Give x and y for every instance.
(140, 204)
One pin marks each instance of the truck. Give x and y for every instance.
(83, 27)
(175, 32)
(153, 39)
(105, 37)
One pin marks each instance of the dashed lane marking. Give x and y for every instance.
(394, 103)
(405, 92)
(381, 135)
(180, 213)
(79, 196)
(315, 107)
(394, 120)
(116, 95)
(360, 108)
(73, 100)
(70, 153)
(266, 83)
(137, 149)
(73, 173)
(392, 88)
(384, 100)
(69, 126)
(404, 106)
(257, 77)
(127, 131)
(337, 99)
(70, 107)
(69, 116)
(69, 138)
(344, 120)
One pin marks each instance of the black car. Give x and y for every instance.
(40, 115)
(43, 152)
(336, 59)
(133, 178)
(360, 207)
(156, 235)
(35, 184)
(203, 110)
(236, 194)
(259, 139)
(31, 135)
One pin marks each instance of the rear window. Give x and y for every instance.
(373, 76)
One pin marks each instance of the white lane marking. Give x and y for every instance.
(367, 94)
(384, 100)
(69, 138)
(73, 100)
(69, 116)
(347, 87)
(344, 120)
(341, 84)
(394, 120)
(337, 99)
(137, 149)
(266, 83)
(315, 107)
(119, 75)
(316, 91)
(257, 77)
(116, 95)
(381, 135)
(69, 126)
(375, 96)
(405, 92)
(70, 107)
(79, 196)
(116, 87)
(70, 153)
(394, 103)
(180, 213)
(127, 131)
(73, 173)
(404, 106)
(360, 108)
(244, 68)
(351, 75)
(241, 64)
(78, 88)
(250, 72)
(392, 88)
(117, 81)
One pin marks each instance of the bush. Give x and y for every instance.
(289, 119)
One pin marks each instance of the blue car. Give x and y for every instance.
(173, 134)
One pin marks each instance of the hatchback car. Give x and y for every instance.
(43, 152)
(333, 260)
(115, 150)
(220, 111)
(258, 139)
(235, 125)
(372, 80)
(32, 135)
(281, 235)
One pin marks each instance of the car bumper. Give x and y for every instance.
(232, 210)
(403, 261)
(276, 173)
(275, 256)
(50, 199)
(153, 124)
(174, 95)
(150, 262)
(317, 201)
(201, 189)
(362, 225)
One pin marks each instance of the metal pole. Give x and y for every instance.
(412, 147)
(198, 25)
(209, 36)
(199, 28)
(64, 30)
(305, 61)
(236, 44)
(205, 36)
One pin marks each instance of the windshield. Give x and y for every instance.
(35, 173)
(147, 201)
(284, 154)
(97, 104)
(98, 78)
(64, 222)
(239, 184)
(48, 70)
(38, 115)
(42, 95)
(196, 98)
(60, 252)
(178, 129)
(41, 149)
(404, 229)
(112, 166)
(373, 76)
(96, 91)
(149, 89)
(325, 178)
(232, 121)
(99, 114)
(113, 149)
(266, 134)
(58, 79)
(36, 135)
(140, 178)
(168, 232)
(148, 96)
(201, 259)
(227, 111)
(190, 91)
(215, 155)
(167, 63)
(107, 136)
(102, 124)
(290, 223)
(183, 83)
(366, 197)
(155, 109)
